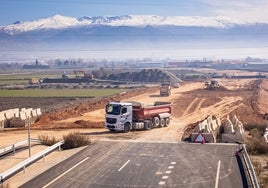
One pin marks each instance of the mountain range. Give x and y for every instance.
(131, 32)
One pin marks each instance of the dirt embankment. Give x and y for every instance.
(191, 103)
(242, 98)
(52, 120)
(234, 99)
(260, 99)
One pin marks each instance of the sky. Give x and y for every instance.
(29, 10)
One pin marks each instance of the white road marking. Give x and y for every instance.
(173, 163)
(165, 177)
(162, 183)
(65, 172)
(217, 175)
(123, 166)
(170, 167)
(168, 171)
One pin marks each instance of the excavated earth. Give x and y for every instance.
(245, 98)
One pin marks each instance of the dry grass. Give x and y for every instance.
(257, 148)
(75, 140)
(261, 172)
(48, 140)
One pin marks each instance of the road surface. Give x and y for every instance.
(145, 164)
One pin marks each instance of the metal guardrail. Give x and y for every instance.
(8, 173)
(250, 168)
(16, 145)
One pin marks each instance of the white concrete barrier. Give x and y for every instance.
(2, 116)
(28, 112)
(33, 113)
(22, 115)
(228, 127)
(38, 112)
(9, 114)
(265, 136)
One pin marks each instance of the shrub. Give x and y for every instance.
(259, 127)
(74, 140)
(48, 140)
(263, 181)
(255, 133)
(256, 146)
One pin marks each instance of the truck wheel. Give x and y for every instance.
(167, 122)
(162, 122)
(156, 121)
(148, 125)
(126, 128)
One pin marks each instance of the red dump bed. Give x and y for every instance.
(141, 112)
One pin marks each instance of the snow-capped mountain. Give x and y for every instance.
(63, 22)
(128, 32)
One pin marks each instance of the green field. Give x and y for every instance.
(59, 92)
(23, 78)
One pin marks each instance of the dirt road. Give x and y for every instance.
(191, 103)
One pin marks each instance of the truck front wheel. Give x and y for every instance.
(127, 127)
(147, 125)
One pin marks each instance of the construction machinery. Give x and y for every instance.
(126, 116)
(33, 81)
(165, 89)
(80, 77)
(85, 75)
(211, 84)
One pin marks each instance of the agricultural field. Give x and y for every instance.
(89, 93)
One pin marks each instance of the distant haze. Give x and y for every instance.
(133, 36)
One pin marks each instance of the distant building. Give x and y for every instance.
(37, 65)
(150, 65)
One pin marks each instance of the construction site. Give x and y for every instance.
(223, 110)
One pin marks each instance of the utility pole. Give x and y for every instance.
(29, 136)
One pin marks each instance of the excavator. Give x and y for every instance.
(85, 75)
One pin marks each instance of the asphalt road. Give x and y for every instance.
(137, 164)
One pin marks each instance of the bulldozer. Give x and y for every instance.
(211, 84)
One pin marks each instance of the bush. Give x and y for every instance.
(75, 140)
(48, 140)
(255, 133)
(263, 181)
(256, 146)
(259, 127)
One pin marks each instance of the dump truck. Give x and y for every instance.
(33, 81)
(165, 89)
(211, 85)
(127, 116)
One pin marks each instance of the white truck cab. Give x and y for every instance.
(118, 116)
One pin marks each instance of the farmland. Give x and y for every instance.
(90, 93)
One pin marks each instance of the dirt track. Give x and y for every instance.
(191, 103)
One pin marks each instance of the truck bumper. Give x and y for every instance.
(114, 127)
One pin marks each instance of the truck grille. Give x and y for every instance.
(111, 120)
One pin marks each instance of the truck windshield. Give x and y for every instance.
(113, 109)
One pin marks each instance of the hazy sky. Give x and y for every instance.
(28, 10)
